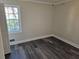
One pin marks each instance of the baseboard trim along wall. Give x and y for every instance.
(63, 39)
(27, 40)
(67, 41)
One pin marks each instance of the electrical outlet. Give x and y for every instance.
(12, 40)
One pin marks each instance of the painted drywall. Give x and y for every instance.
(2, 1)
(66, 21)
(4, 31)
(1, 47)
(36, 21)
(1, 41)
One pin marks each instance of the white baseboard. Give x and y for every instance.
(27, 40)
(36, 38)
(67, 41)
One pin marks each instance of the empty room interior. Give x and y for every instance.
(39, 29)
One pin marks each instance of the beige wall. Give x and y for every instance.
(4, 31)
(36, 20)
(1, 48)
(1, 41)
(66, 21)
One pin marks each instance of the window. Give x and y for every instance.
(12, 18)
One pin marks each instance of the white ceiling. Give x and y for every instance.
(53, 2)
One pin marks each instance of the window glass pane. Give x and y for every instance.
(13, 25)
(16, 16)
(7, 16)
(6, 9)
(10, 10)
(12, 16)
(15, 10)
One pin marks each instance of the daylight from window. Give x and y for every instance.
(12, 18)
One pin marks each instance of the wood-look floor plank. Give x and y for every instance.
(48, 48)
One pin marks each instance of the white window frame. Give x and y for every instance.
(19, 17)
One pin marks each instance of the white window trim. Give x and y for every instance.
(19, 16)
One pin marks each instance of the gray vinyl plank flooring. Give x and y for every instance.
(47, 48)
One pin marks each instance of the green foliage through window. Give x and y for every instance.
(12, 18)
